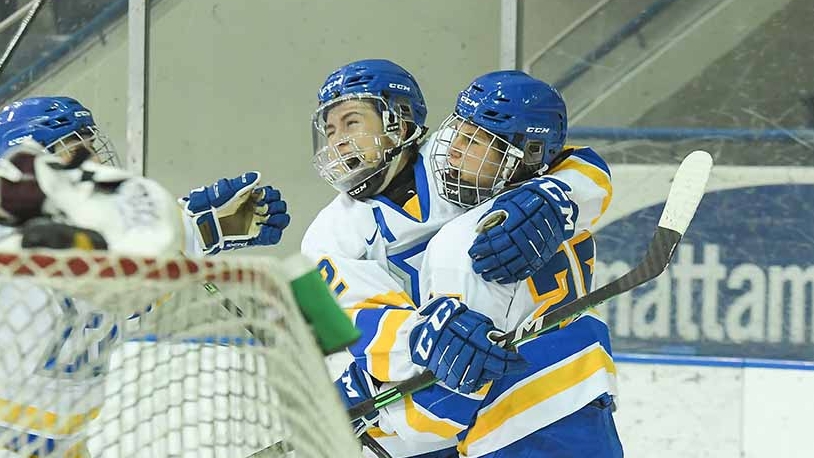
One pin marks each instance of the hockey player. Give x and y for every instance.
(506, 128)
(53, 387)
(369, 241)
(60, 124)
(229, 214)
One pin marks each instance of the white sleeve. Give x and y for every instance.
(191, 243)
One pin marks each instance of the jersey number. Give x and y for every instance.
(328, 271)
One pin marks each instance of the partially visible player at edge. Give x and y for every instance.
(230, 214)
(71, 214)
(508, 124)
(56, 356)
(370, 240)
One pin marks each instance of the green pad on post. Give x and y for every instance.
(332, 328)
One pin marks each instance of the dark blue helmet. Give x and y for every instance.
(522, 110)
(359, 160)
(377, 77)
(506, 127)
(58, 123)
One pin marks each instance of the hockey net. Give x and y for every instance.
(124, 357)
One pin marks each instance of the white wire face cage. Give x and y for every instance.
(470, 163)
(348, 161)
(90, 138)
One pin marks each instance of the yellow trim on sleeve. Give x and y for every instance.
(537, 392)
(382, 345)
(579, 238)
(595, 174)
(377, 433)
(420, 422)
(394, 298)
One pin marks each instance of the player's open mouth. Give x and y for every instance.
(352, 162)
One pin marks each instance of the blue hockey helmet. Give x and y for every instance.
(520, 124)
(60, 124)
(358, 159)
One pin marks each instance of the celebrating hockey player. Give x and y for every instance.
(508, 127)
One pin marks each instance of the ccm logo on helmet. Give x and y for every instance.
(398, 86)
(19, 140)
(537, 130)
(466, 100)
(81, 114)
(330, 85)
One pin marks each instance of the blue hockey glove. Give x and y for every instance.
(453, 342)
(354, 386)
(539, 217)
(236, 213)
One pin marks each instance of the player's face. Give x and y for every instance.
(86, 140)
(350, 139)
(471, 163)
(71, 148)
(475, 154)
(356, 126)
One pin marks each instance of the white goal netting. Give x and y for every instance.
(126, 357)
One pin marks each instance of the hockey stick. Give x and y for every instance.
(685, 194)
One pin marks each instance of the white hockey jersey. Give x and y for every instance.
(369, 253)
(569, 367)
(52, 369)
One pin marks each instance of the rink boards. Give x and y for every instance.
(710, 353)
(741, 281)
(714, 408)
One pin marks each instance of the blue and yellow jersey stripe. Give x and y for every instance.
(584, 162)
(385, 320)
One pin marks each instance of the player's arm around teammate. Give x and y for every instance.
(554, 396)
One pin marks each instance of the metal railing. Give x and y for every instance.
(20, 77)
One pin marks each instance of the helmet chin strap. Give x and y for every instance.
(392, 171)
(379, 182)
(395, 152)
